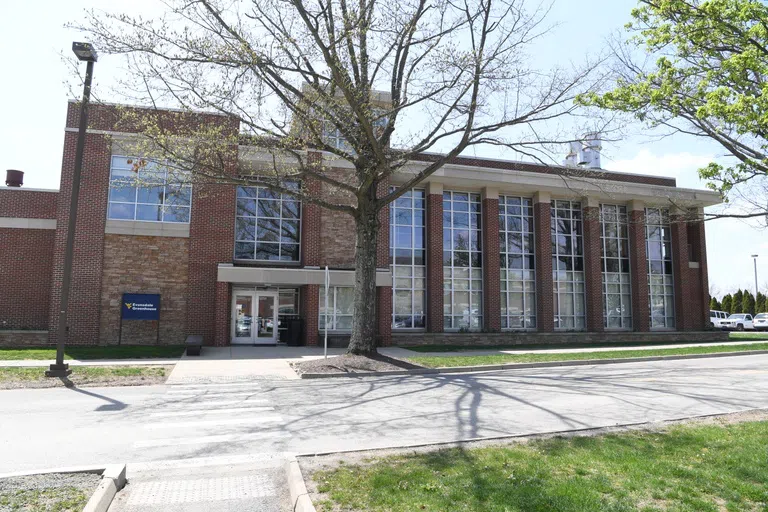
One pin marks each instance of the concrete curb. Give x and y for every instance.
(112, 480)
(300, 500)
(522, 366)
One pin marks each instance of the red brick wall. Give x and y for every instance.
(30, 204)
(310, 310)
(691, 284)
(223, 326)
(337, 232)
(384, 315)
(435, 262)
(25, 277)
(211, 241)
(545, 312)
(638, 266)
(145, 264)
(593, 268)
(310, 219)
(85, 296)
(491, 266)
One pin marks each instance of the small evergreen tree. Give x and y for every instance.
(726, 305)
(760, 303)
(736, 302)
(748, 303)
(714, 305)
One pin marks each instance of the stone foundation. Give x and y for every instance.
(12, 338)
(521, 338)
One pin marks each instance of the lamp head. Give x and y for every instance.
(85, 51)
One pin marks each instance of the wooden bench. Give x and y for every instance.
(194, 344)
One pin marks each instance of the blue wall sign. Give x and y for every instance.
(141, 306)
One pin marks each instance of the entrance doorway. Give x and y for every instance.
(254, 317)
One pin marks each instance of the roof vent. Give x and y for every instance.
(589, 156)
(14, 178)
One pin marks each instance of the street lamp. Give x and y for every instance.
(84, 52)
(754, 259)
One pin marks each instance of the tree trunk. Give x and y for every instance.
(363, 340)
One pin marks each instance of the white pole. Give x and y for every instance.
(325, 310)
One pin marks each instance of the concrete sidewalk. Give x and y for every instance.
(402, 352)
(243, 363)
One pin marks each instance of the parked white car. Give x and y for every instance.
(761, 322)
(716, 318)
(738, 322)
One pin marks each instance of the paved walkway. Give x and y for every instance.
(243, 363)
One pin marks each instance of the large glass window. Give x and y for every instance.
(614, 238)
(407, 249)
(266, 225)
(658, 247)
(518, 274)
(567, 265)
(141, 189)
(462, 262)
(338, 315)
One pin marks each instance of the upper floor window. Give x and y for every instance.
(518, 279)
(568, 265)
(658, 247)
(145, 190)
(614, 240)
(267, 225)
(407, 249)
(462, 262)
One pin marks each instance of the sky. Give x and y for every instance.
(35, 91)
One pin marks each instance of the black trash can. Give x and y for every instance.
(294, 328)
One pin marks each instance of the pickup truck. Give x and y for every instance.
(738, 322)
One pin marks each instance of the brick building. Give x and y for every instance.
(485, 251)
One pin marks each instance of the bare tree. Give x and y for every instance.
(304, 76)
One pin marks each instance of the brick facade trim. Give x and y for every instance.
(435, 262)
(638, 266)
(545, 307)
(491, 265)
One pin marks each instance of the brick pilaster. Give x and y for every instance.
(223, 300)
(687, 299)
(310, 308)
(310, 218)
(701, 321)
(638, 266)
(491, 265)
(434, 258)
(593, 274)
(85, 293)
(545, 311)
(384, 315)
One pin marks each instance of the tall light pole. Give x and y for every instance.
(84, 52)
(754, 259)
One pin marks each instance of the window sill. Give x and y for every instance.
(147, 228)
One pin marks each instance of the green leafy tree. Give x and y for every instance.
(714, 305)
(705, 74)
(726, 304)
(760, 303)
(748, 303)
(736, 303)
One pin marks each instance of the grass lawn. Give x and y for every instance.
(60, 499)
(686, 468)
(470, 360)
(85, 376)
(101, 352)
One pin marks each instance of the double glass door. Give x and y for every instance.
(254, 318)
